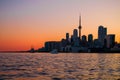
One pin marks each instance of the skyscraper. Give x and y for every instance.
(80, 27)
(75, 33)
(90, 41)
(75, 38)
(102, 32)
(67, 36)
(90, 38)
(84, 38)
(110, 40)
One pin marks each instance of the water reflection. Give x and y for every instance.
(64, 66)
(108, 66)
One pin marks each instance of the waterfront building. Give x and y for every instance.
(75, 33)
(96, 43)
(84, 39)
(51, 45)
(90, 41)
(67, 36)
(90, 38)
(75, 39)
(102, 33)
(110, 40)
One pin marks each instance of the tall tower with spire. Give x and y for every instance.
(80, 27)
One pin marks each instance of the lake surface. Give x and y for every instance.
(63, 66)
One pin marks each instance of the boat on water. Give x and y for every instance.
(32, 50)
(54, 51)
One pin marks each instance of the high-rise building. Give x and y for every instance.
(90, 41)
(80, 27)
(84, 38)
(75, 39)
(90, 38)
(110, 40)
(75, 33)
(67, 36)
(102, 32)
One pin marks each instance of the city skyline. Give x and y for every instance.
(77, 43)
(26, 23)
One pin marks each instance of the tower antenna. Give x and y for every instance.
(80, 27)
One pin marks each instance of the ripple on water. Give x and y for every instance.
(60, 66)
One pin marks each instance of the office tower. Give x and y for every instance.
(75, 33)
(90, 41)
(110, 40)
(84, 38)
(90, 38)
(80, 27)
(102, 32)
(67, 36)
(75, 38)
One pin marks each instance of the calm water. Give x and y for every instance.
(64, 66)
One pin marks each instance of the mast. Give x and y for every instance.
(80, 27)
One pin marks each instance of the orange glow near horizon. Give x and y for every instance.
(31, 23)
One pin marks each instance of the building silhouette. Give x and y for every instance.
(84, 38)
(51, 45)
(80, 27)
(67, 36)
(75, 33)
(102, 33)
(90, 38)
(80, 43)
(110, 40)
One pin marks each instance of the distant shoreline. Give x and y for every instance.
(13, 51)
(58, 52)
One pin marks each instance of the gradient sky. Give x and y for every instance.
(26, 23)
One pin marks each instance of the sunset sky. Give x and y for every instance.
(26, 23)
